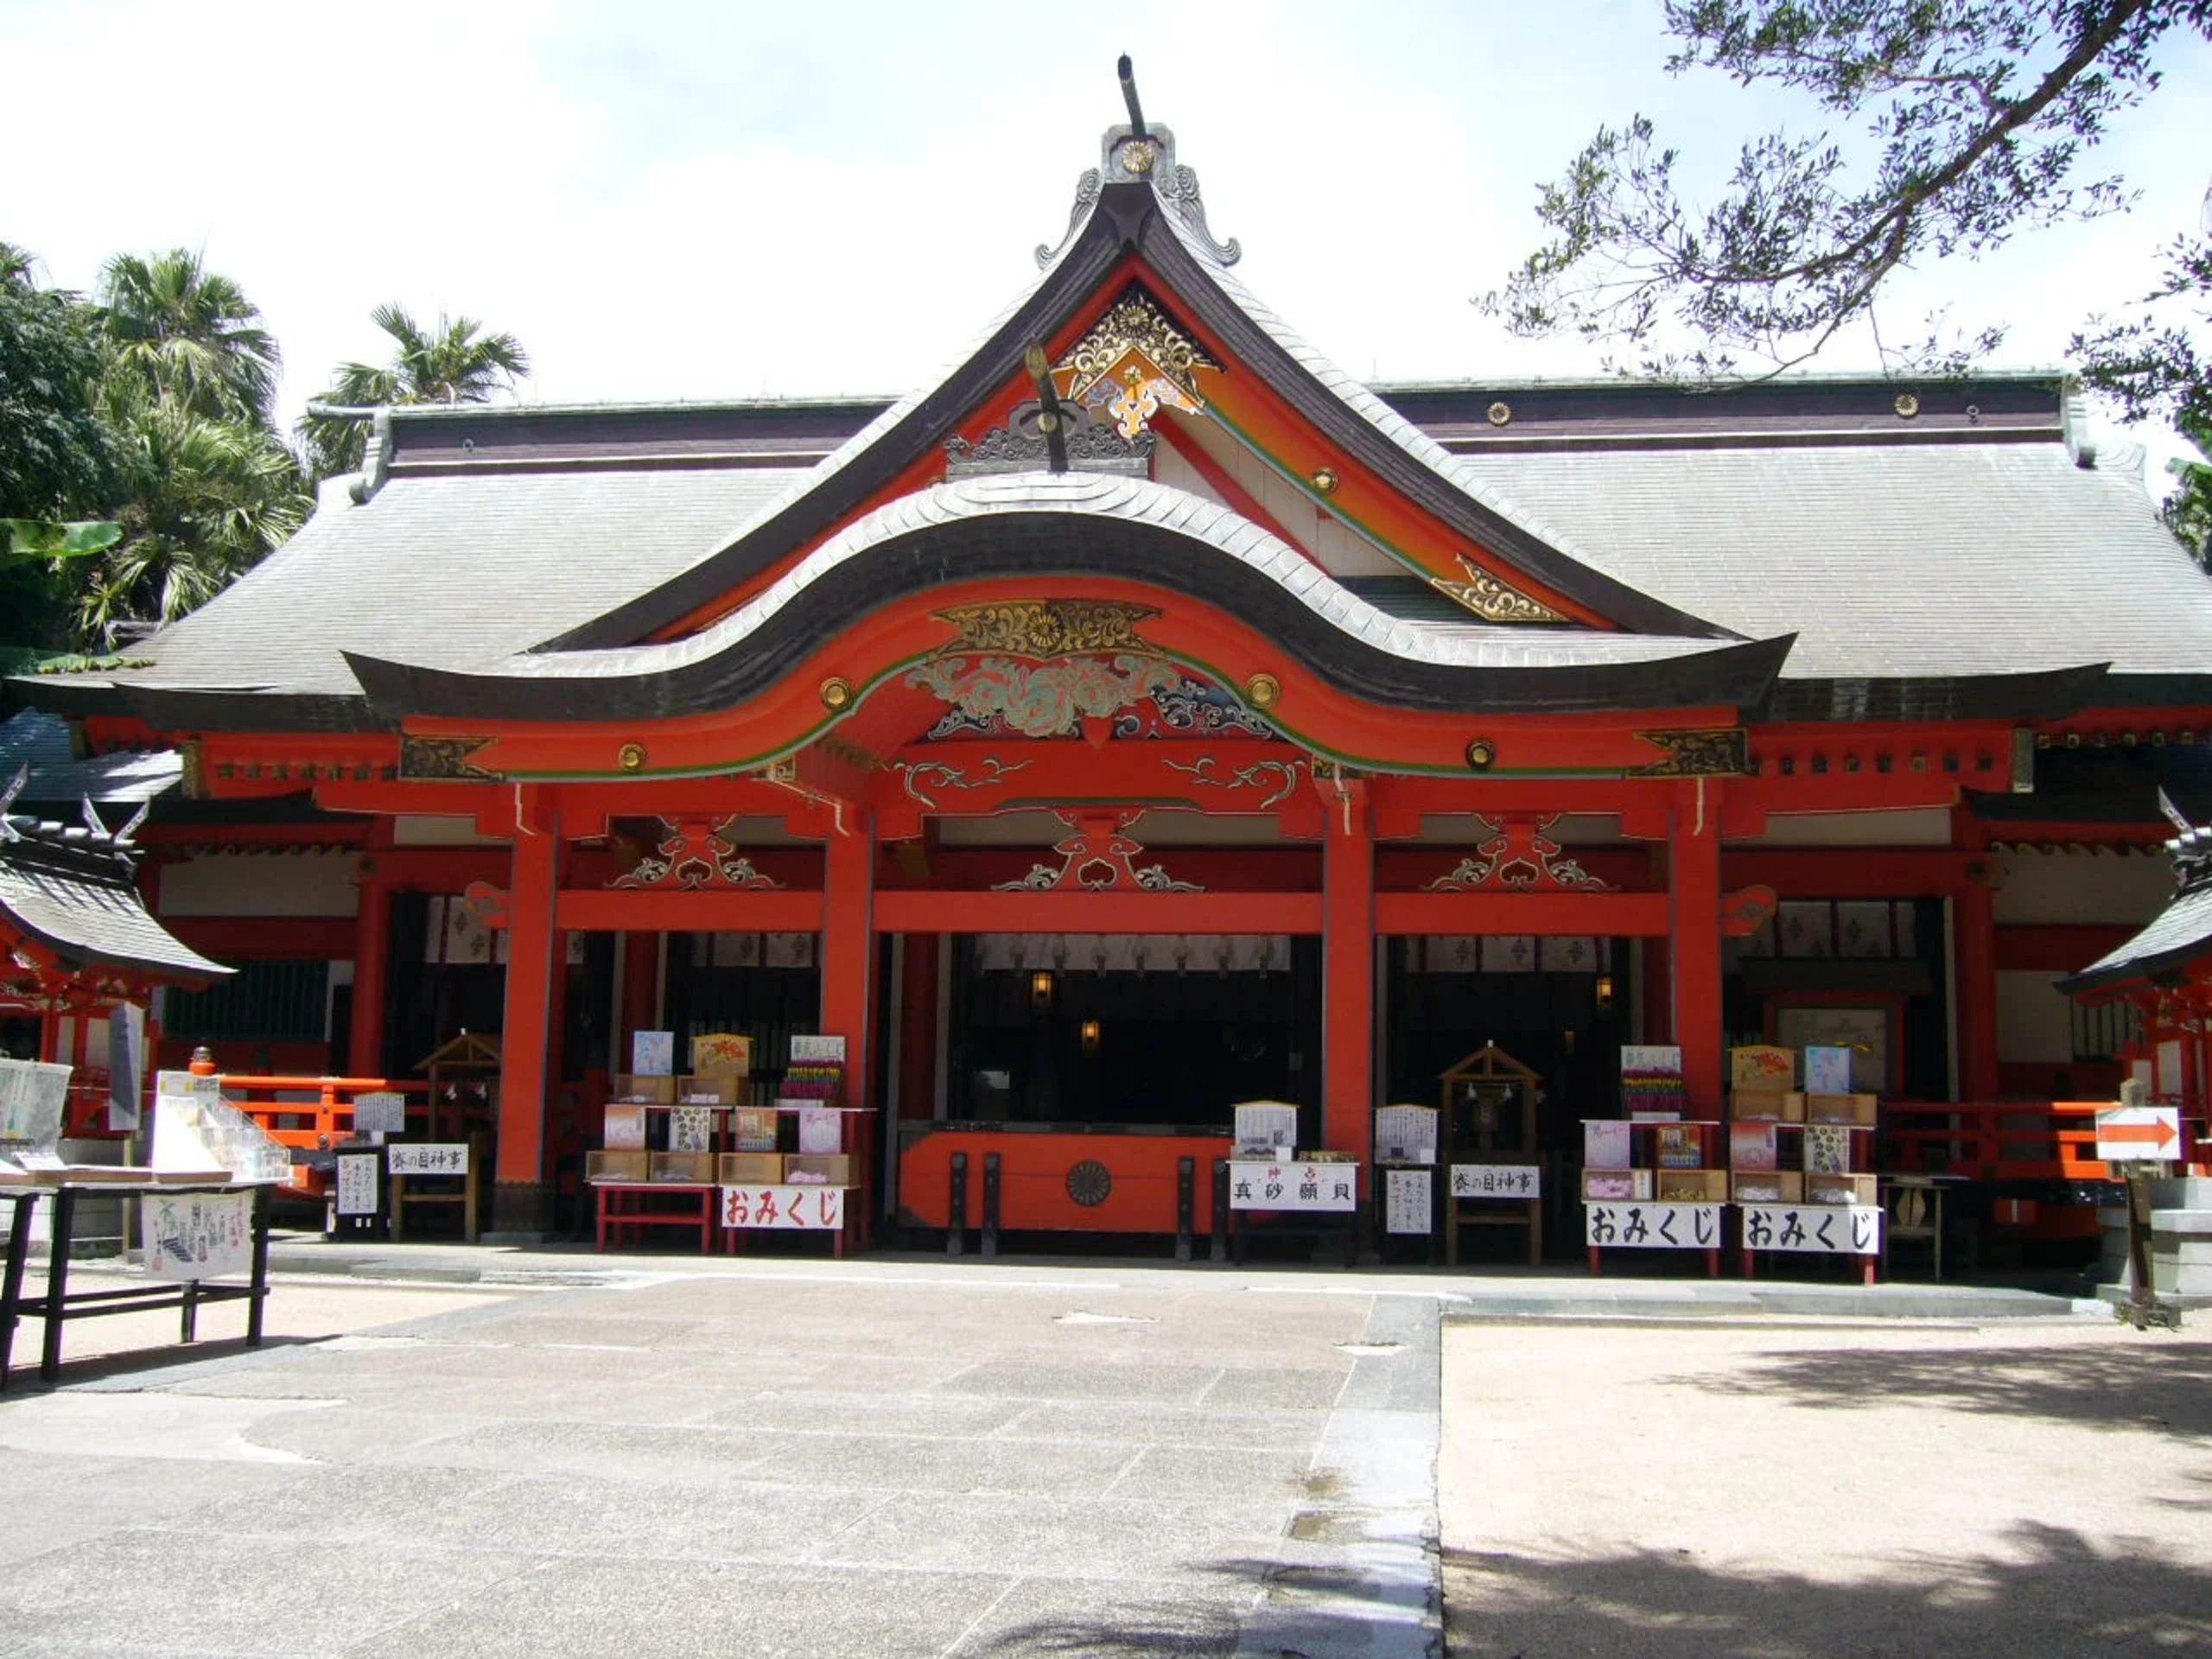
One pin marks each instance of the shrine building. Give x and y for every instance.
(1149, 717)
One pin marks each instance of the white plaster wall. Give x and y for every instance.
(1338, 550)
(416, 830)
(2034, 1022)
(2083, 887)
(262, 884)
(1915, 828)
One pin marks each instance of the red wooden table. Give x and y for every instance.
(620, 1207)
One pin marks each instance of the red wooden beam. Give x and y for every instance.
(1585, 914)
(707, 910)
(1097, 912)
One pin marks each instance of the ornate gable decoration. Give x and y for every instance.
(1020, 446)
(1711, 751)
(1040, 666)
(1097, 856)
(1132, 363)
(1518, 857)
(694, 854)
(1047, 627)
(1492, 600)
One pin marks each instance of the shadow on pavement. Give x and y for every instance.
(2055, 1592)
(2141, 1387)
(1262, 1607)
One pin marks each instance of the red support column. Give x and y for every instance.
(521, 1201)
(917, 1032)
(364, 1055)
(848, 1001)
(640, 991)
(1694, 943)
(1348, 974)
(1975, 946)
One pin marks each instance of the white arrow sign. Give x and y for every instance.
(2127, 1134)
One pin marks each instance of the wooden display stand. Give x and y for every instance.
(404, 1195)
(461, 1065)
(1490, 1118)
(1782, 1203)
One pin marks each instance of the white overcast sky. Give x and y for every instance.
(666, 200)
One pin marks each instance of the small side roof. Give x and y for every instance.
(70, 889)
(2177, 936)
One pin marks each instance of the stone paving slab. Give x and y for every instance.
(863, 1463)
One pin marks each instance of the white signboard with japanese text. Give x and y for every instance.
(428, 1158)
(818, 1209)
(357, 1183)
(1497, 1180)
(1408, 1204)
(1405, 1135)
(1653, 1226)
(198, 1235)
(380, 1112)
(1822, 1229)
(1282, 1185)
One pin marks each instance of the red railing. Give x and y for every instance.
(314, 1113)
(2000, 1139)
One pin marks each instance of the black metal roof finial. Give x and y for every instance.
(1128, 72)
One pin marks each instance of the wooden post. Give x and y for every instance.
(521, 1200)
(371, 968)
(848, 1001)
(1974, 921)
(1694, 939)
(1348, 975)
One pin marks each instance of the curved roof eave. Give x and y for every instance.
(1040, 524)
(1131, 218)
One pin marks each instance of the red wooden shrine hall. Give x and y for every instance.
(1148, 717)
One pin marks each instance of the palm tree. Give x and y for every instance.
(455, 363)
(206, 500)
(187, 334)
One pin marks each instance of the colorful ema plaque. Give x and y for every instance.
(1284, 1186)
(1827, 1071)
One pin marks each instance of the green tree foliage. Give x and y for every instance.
(56, 462)
(150, 410)
(454, 363)
(1976, 116)
(181, 334)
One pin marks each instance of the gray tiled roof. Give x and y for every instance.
(72, 891)
(1888, 561)
(453, 570)
(2181, 930)
(1138, 501)
(33, 738)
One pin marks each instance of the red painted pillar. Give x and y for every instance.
(847, 1001)
(1694, 941)
(1348, 974)
(917, 1032)
(640, 992)
(1975, 946)
(522, 1201)
(364, 1056)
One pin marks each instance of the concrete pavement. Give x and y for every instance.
(1802, 1491)
(802, 1457)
